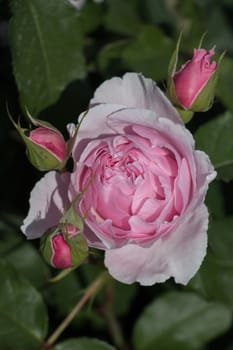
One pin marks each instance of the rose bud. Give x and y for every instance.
(63, 247)
(46, 147)
(192, 87)
(51, 141)
(193, 78)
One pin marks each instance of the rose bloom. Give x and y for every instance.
(144, 185)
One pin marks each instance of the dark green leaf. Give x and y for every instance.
(215, 277)
(109, 58)
(91, 16)
(220, 35)
(46, 42)
(149, 53)
(157, 11)
(21, 253)
(215, 200)
(215, 138)
(67, 290)
(122, 17)
(126, 293)
(83, 344)
(10, 240)
(179, 320)
(27, 260)
(23, 317)
(225, 82)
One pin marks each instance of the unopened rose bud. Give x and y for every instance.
(192, 87)
(192, 79)
(64, 247)
(46, 147)
(50, 140)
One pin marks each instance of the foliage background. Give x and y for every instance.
(52, 59)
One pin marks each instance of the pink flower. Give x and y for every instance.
(50, 140)
(144, 204)
(193, 76)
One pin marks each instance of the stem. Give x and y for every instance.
(90, 291)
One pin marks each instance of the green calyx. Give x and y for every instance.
(46, 244)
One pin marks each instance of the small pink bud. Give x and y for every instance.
(50, 140)
(192, 78)
(61, 258)
(64, 246)
(61, 252)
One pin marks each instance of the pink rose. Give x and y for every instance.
(145, 202)
(192, 77)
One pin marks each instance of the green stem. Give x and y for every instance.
(90, 291)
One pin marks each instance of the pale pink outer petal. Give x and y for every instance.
(48, 199)
(134, 90)
(101, 120)
(179, 255)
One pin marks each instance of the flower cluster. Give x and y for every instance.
(142, 185)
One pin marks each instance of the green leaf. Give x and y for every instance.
(149, 53)
(126, 293)
(9, 238)
(68, 289)
(225, 83)
(20, 253)
(215, 278)
(47, 43)
(215, 200)
(215, 138)
(23, 317)
(109, 58)
(83, 344)
(157, 11)
(179, 320)
(220, 35)
(91, 16)
(122, 17)
(27, 260)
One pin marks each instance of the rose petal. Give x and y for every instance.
(133, 90)
(48, 199)
(177, 255)
(93, 127)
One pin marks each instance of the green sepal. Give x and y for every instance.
(62, 274)
(46, 244)
(201, 40)
(71, 141)
(72, 217)
(40, 158)
(174, 58)
(172, 94)
(171, 71)
(186, 115)
(78, 248)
